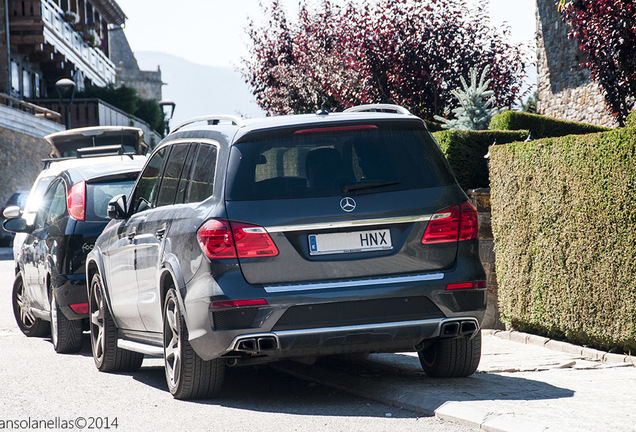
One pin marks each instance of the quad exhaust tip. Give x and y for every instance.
(458, 328)
(256, 345)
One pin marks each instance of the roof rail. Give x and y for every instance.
(378, 108)
(212, 120)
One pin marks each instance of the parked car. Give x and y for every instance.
(250, 241)
(72, 143)
(78, 147)
(15, 204)
(49, 292)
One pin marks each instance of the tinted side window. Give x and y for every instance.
(148, 183)
(57, 210)
(202, 179)
(171, 175)
(55, 191)
(184, 181)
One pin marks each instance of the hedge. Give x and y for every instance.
(564, 222)
(540, 126)
(631, 119)
(465, 151)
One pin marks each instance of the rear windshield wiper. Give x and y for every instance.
(369, 185)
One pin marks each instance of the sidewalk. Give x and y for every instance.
(524, 383)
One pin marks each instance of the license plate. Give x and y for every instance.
(358, 241)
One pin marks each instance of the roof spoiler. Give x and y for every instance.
(397, 109)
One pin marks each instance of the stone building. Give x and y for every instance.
(565, 89)
(147, 83)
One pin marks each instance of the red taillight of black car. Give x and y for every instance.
(220, 239)
(76, 201)
(452, 224)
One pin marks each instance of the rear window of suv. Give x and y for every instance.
(334, 161)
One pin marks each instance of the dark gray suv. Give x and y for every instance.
(250, 241)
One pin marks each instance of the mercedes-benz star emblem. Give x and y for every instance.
(348, 204)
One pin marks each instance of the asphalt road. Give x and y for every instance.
(38, 385)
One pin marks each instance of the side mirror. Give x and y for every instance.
(17, 225)
(117, 208)
(11, 212)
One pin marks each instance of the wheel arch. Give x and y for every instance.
(171, 275)
(95, 266)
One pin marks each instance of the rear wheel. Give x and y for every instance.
(28, 324)
(107, 355)
(187, 374)
(449, 358)
(66, 334)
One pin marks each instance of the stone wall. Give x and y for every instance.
(565, 89)
(480, 198)
(20, 161)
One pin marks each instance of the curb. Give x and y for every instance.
(565, 347)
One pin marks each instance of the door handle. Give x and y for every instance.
(160, 233)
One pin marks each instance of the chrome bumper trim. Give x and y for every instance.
(353, 283)
(349, 224)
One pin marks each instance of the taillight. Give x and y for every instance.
(79, 308)
(215, 239)
(237, 303)
(469, 227)
(454, 223)
(466, 285)
(252, 241)
(76, 201)
(221, 239)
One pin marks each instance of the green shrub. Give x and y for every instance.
(631, 119)
(540, 126)
(433, 126)
(564, 222)
(465, 151)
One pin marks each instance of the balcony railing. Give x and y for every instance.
(30, 108)
(27, 14)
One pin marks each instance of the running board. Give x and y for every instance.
(151, 350)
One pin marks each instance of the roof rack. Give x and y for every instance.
(378, 108)
(212, 120)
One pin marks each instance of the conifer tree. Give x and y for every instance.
(475, 104)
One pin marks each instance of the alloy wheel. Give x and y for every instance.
(26, 317)
(54, 328)
(172, 342)
(97, 322)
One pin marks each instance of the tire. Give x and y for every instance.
(28, 324)
(107, 355)
(66, 334)
(188, 375)
(451, 358)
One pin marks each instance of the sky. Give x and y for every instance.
(212, 32)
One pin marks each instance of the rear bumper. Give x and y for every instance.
(383, 314)
(68, 290)
(341, 340)
(364, 319)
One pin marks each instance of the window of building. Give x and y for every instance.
(26, 84)
(15, 77)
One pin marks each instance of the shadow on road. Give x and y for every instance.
(261, 388)
(406, 384)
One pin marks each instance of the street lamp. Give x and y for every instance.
(64, 87)
(166, 103)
